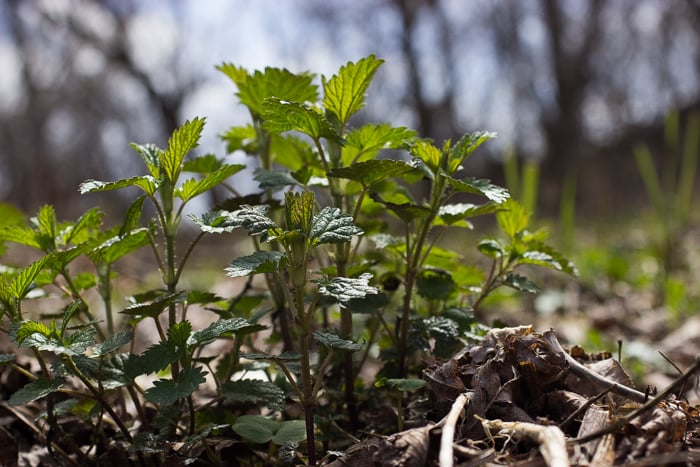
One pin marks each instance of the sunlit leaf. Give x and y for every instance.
(205, 164)
(543, 255)
(514, 219)
(365, 142)
(192, 188)
(182, 141)
(479, 186)
(429, 154)
(281, 115)
(492, 248)
(333, 341)
(465, 146)
(332, 226)
(254, 88)
(116, 247)
(344, 93)
(344, 289)
(146, 182)
(370, 172)
(257, 263)
(521, 283)
(452, 213)
(155, 307)
(22, 282)
(221, 328)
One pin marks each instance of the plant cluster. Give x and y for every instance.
(345, 236)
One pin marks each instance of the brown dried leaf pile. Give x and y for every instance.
(519, 398)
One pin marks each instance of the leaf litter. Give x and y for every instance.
(519, 398)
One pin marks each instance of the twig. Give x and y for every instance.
(448, 430)
(585, 406)
(551, 440)
(635, 413)
(583, 372)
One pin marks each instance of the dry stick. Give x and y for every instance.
(583, 372)
(551, 440)
(448, 430)
(635, 413)
(585, 406)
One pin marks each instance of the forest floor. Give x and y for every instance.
(590, 372)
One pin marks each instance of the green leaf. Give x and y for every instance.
(465, 146)
(46, 225)
(333, 341)
(365, 142)
(280, 116)
(35, 390)
(258, 262)
(181, 142)
(22, 282)
(332, 226)
(344, 93)
(513, 220)
(479, 186)
(407, 212)
(167, 391)
(290, 431)
(403, 384)
(192, 188)
(146, 182)
(255, 428)
(151, 155)
(112, 343)
(84, 227)
(179, 333)
(21, 235)
(156, 358)
(491, 248)
(253, 219)
(223, 327)
(156, 307)
(344, 289)
(205, 164)
(78, 341)
(452, 213)
(273, 180)
(29, 328)
(132, 217)
(284, 357)
(521, 283)
(254, 88)
(371, 172)
(116, 247)
(543, 255)
(435, 284)
(429, 154)
(241, 138)
(257, 392)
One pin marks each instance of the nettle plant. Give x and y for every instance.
(347, 240)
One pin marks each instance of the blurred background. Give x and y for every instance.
(570, 85)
